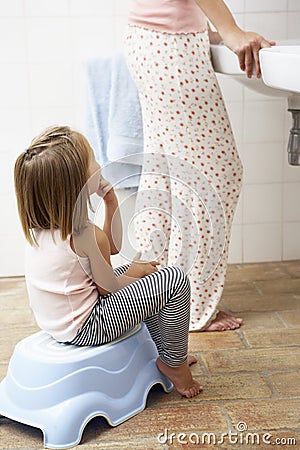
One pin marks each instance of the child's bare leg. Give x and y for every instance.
(181, 377)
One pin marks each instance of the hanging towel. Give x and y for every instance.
(107, 129)
(125, 125)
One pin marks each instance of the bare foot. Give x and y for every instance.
(181, 377)
(191, 359)
(223, 322)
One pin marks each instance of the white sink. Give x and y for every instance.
(226, 62)
(280, 67)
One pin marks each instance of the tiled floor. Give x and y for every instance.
(251, 377)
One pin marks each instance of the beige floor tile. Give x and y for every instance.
(3, 369)
(233, 386)
(147, 444)
(290, 318)
(13, 317)
(265, 414)
(14, 301)
(252, 359)
(226, 386)
(14, 435)
(289, 440)
(292, 268)
(260, 302)
(272, 338)
(201, 341)
(11, 286)
(257, 320)
(251, 272)
(186, 418)
(9, 337)
(251, 374)
(286, 383)
(277, 287)
(238, 288)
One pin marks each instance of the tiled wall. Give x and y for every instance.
(267, 223)
(43, 46)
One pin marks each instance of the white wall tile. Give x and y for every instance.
(120, 26)
(268, 94)
(236, 116)
(14, 86)
(293, 26)
(11, 8)
(232, 91)
(263, 162)
(291, 240)
(121, 7)
(15, 131)
(236, 6)
(12, 40)
(240, 19)
(46, 8)
(49, 39)
(262, 203)
(291, 202)
(92, 37)
(235, 254)
(270, 25)
(91, 8)
(43, 48)
(43, 117)
(265, 5)
(238, 216)
(290, 173)
(12, 254)
(51, 85)
(293, 5)
(264, 121)
(12, 240)
(262, 242)
(7, 179)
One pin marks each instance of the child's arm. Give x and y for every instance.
(94, 243)
(113, 222)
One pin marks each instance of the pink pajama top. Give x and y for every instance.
(61, 290)
(169, 16)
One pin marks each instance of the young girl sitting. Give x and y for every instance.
(75, 294)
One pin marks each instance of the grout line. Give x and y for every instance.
(243, 339)
(281, 319)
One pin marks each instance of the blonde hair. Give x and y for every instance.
(50, 183)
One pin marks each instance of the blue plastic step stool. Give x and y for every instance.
(59, 388)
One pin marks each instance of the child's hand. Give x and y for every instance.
(105, 189)
(140, 269)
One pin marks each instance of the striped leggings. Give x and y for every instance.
(161, 300)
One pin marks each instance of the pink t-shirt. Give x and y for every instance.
(61, 291)
(169, 16)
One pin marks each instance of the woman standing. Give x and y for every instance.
(192, 172)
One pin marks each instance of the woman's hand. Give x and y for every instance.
(246, 45)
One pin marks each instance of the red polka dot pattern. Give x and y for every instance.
(185, 119)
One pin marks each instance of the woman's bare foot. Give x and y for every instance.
(181, 377)
(223, 322)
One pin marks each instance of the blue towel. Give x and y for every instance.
(125, 125)
(106, 128)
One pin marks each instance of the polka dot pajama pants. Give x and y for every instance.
(192, 173)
